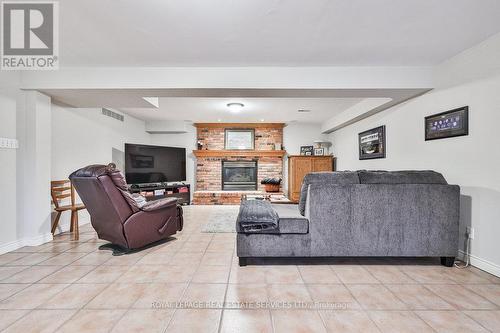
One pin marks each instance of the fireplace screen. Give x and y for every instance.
(239, 175)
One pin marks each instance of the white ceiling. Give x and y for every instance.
(271, 32)
(255, 109)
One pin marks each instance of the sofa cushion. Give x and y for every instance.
(401, 177)
(336, 177)
(290, 220)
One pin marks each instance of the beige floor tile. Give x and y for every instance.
(490, 277)
(399, 321)
(75, 296)
(354, 274)
(151, 321)
(68, 274)
(333, 296)
(180, 259)
(388, 274)
(450, 321)
(217, 258)
(211, 274)
(283, 274)
(297, 321)
(221, 246)
(62, 259)
(488, 319)
(429, 274)
(175, 274)
(465, 276)
(155, 258)
(42, 321)
(204, 295)
(32, 259)
(31, 274)
(8, 317)
(94, 321)
(489, 291)
(288, 294)
(318, 274)
(161, 296)
(348, 322)
(246, 296)
(10, 257)
(125, 260)
(8, 271)
(7, 290)
(84, 248)
(138, 273)
(375, 297)
(235, 321)
(248, 274)
(195, 321)
(418, 297)
(103, 274)
(93, 259)
(117, 296)
(32, 297)
(461, 298)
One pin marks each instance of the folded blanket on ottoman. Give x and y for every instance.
(257, 216)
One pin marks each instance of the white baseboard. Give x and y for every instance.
(30, 241)
(482, 264)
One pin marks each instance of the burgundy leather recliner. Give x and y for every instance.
(116, 216)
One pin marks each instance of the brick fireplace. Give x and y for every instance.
(209, 187)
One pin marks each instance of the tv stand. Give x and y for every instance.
(181, 191)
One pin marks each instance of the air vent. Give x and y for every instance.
(303, 110)
(112, 114)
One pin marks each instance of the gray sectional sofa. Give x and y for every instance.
(362, 213)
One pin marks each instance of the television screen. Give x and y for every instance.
(154, 164)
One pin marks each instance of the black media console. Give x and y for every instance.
(157, 191)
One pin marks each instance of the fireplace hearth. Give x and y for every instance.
(239, 175)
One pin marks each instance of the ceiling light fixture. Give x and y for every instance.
(235, 107)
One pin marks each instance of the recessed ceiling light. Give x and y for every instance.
(262, 120)
(303, 110)
(219, 120)
(235, 107)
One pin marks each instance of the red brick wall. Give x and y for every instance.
(265, 138)
(209, 169)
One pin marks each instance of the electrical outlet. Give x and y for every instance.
(470, 232)
(9, 143)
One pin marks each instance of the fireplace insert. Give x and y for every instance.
(239, 175)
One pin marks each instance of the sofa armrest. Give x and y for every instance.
(159, 204)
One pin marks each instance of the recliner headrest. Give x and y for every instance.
(94, 170)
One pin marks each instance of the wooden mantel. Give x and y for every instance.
(239, 153)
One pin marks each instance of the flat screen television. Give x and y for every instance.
(154, 164)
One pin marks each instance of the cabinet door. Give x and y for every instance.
(300, 167)
(322, 164)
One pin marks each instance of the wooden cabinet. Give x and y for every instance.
(299, 166)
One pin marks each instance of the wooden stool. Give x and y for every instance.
(60, 190)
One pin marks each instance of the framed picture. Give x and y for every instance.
(239, 139)
(447, 124)
(372, 143)
(306, 150)
(319, 151)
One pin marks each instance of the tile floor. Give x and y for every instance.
(193, 284)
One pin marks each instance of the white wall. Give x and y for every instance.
(296, 135)
(471, 161)
(8, 90)
(84, 136)
(183, 140)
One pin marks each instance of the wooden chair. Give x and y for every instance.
(60, 190)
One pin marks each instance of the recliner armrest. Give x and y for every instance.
(159, 204)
